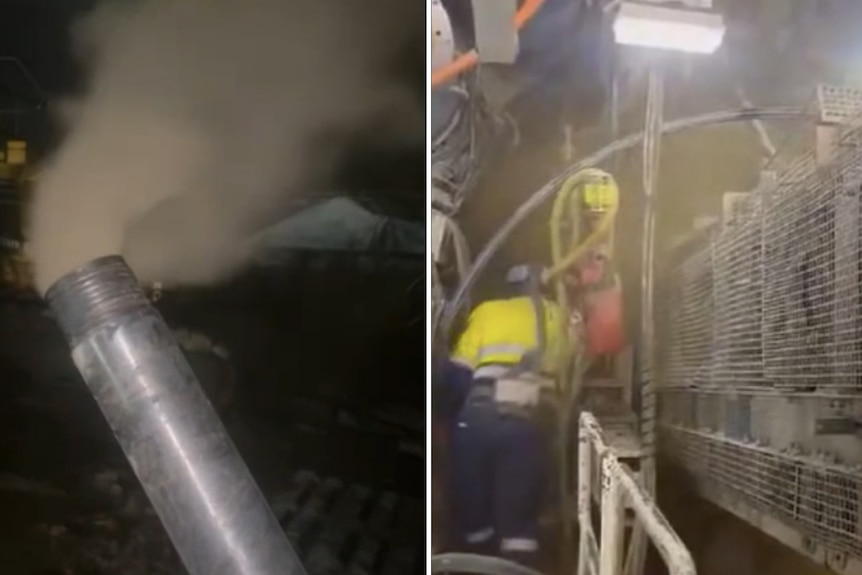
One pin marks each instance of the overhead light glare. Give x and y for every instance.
(680, 30)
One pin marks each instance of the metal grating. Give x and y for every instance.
(688, 337)
(771, 307)
(839, 104)
(799, 276)
(820, 498)
(781, 305)
(737, 255)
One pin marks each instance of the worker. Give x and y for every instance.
(451, 383)
(498, 454)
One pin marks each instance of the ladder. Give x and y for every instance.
(599, 469)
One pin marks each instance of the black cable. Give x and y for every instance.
(477, 565)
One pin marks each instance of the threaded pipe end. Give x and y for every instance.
(96, 293)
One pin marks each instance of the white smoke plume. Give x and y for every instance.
(202, 118)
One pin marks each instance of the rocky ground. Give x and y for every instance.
(73, 509)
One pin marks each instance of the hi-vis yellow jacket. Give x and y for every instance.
(502, 331)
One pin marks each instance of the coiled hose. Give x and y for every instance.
(461, 251)
(459, 151)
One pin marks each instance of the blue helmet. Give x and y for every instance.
(522, 276)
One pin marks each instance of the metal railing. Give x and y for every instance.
(618, 488)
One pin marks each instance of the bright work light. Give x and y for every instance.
(681, 30)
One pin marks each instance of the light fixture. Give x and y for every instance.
(677, 29)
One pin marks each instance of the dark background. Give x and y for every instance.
(325, 375)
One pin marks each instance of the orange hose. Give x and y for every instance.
(468, 60)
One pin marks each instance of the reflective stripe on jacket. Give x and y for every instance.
(502, 331)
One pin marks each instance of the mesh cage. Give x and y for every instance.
(775, 296)
(763, 317)
(820, 497)
(799, 273)
(688, 328)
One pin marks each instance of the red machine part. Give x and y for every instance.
(604, 324)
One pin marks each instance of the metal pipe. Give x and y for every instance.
(637, 548)
(613, 522)
(448, 314)
(666, 540)
(213, 511)
(586, 558)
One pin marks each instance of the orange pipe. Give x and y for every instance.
(468, 60)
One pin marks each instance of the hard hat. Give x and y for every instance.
(523, 273)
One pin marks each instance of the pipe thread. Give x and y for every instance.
(94, 295)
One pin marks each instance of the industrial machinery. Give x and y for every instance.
(760, 347)
(748, 347)
(469, 129)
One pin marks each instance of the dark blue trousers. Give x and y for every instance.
(499, 474)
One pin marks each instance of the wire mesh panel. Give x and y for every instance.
(811, 233)
(761, 395)
(846, 345)
(776, 301)
(818, 496)
(737, 355)
(688, 311)
(798, 235)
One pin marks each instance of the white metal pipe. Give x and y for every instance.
(613, 517)
(759, 127)
(212, 509)
(672, 549)
(618, 487)
(592, 548)
(584, 494)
